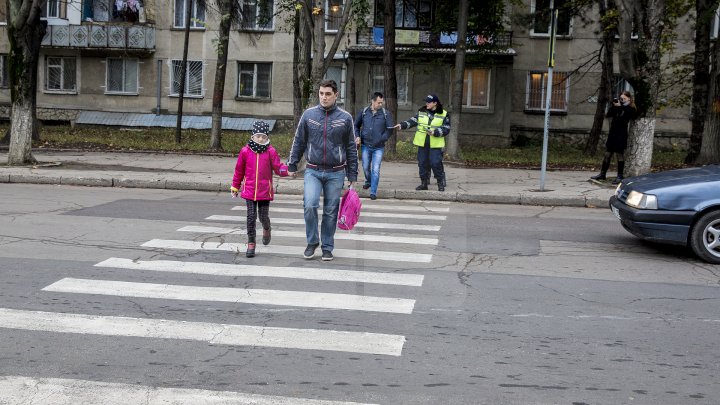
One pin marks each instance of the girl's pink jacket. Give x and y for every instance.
(254, 171)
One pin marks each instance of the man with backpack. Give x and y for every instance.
(373, 126)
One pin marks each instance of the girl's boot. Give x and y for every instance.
(250, 252)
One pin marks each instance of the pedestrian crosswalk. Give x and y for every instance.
(392, 236)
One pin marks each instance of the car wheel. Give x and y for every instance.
(705, 237)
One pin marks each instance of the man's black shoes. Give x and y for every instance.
(310, 251)
(366, 186)
(327, 255)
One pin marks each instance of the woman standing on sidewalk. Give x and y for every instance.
(433, 125)
(621, 112)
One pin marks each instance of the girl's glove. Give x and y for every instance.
(233, 192)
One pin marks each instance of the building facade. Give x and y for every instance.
(125, 56)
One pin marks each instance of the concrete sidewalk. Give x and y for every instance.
(214, 173)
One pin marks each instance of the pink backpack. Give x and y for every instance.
(349, 211)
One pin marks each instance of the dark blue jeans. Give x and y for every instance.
(430, 158)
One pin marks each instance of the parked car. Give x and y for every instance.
(679, 207)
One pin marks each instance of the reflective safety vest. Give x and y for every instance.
(424, 124)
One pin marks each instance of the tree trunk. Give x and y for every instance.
(710, 150)
(391, 102)
(645, 79)
(606, 76)
(183, 72)
(701, 77)
(25, 32)
(458, 79)
(226, 12)
(302, 51)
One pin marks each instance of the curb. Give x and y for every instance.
(513, 198)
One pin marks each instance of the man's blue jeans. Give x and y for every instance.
(371, 159)
(331, 185)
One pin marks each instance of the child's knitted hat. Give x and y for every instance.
(261, 127)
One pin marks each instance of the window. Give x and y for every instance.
(256, 15)
(4, 76)
(337, 73)
(536, 91)
(541, 21)
(60, 74)
(51, 9)
(3, 12)
(122, 76)
(254, 80)
(193, 78)
(377, 81)
(476, 87)
(408, 13)
(334, 14)
(620, 85)
(197, 18)
(715, 25)
(111, 11)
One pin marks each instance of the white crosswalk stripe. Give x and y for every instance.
(300, 234)
(239, 270)
(236, 295)
(360, 224)
(365, 214)
(62, 391)
(213, 333)
(289, 250)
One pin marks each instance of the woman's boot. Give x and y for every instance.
(603, 170)
(266, 236)
(250, 252)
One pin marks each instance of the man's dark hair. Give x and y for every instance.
(377, 95)
(329, 83)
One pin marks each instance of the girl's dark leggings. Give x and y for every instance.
(253, 209)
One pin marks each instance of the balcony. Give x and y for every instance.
(405, 38)
(121, 37)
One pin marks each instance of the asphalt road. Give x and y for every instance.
(120, 295)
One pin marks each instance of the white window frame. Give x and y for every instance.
(255, 80)
(341, 83)
(195, 22)
(255, 26)
(468, 94)
(4, 74)
(124, 73)
(63, 88)
(546, 34)
(327, 19)
(543, 95)
(715, 25)
(48, 5)
(188, 71)
(376, 73)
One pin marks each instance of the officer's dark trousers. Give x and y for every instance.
(430, 158)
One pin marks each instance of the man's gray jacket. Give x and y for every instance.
(327, 138)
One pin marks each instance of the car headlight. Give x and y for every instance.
(642, 201)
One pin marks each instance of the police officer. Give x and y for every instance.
(433, 125)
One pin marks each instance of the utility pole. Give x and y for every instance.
(548, 92)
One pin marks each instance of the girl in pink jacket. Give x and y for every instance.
(254, 169)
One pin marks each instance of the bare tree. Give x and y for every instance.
(183, 71)
(640, 65)
(704, 12)
(710, 150)
(459, 75)
(25, 33)
(608, 25)
(228, 10)
(389, 69)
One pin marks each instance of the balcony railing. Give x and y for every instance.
(101, 36)
(427, 39)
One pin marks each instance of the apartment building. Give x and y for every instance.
(125, 56)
